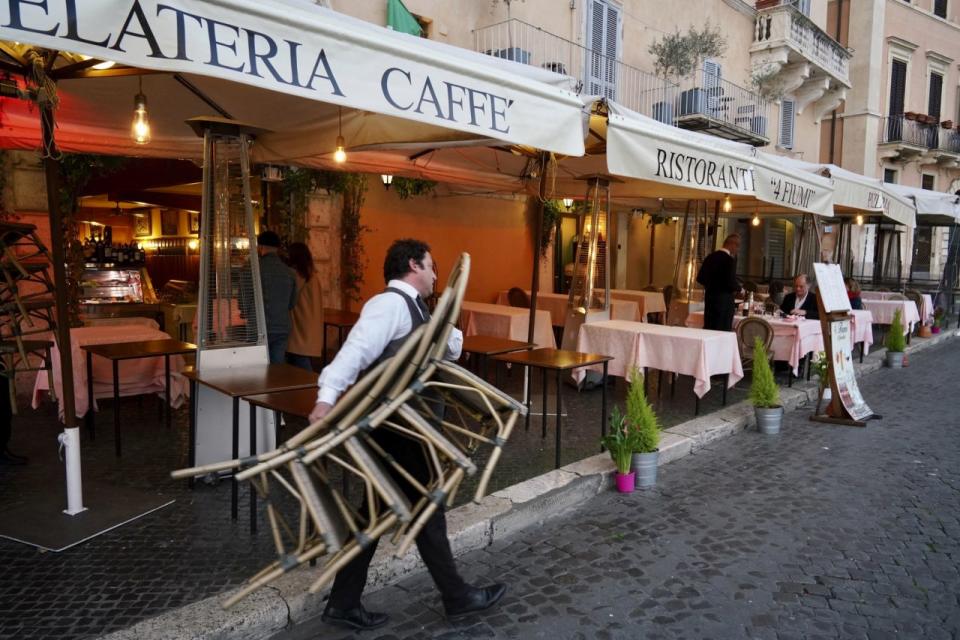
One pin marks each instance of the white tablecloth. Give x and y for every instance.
(791, 340)
(692, 352)
(556, 304)
(862, 326)
(926, 311)
(482, 319)
(138, 376)
(883, 311)
(649, 301)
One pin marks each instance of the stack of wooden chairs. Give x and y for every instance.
(456, 417)
(26, 301)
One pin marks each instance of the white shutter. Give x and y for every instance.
(603, 35)
(804, 7)
(787, 121)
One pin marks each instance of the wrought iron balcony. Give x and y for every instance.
(594, 73)
(903, 138)
(792, 55)
(711, 104)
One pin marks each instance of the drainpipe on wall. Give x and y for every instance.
(833, 118)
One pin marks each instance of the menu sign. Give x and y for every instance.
(830, 287)
(841, 364)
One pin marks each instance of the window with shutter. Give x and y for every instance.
(803, 6)
(927, 181)
(898, 86)
(787, 120)
(712, 72)
(936, 95)
(890, 176)
(603, 33)
(940, 8)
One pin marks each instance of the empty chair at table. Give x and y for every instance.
(517, 297)
(748, 330)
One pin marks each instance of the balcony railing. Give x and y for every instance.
(595, 74)
(706, 94)
(788, 25)
(900, 129)
(949, 141)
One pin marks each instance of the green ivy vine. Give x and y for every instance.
(552, 212)
(409, 187)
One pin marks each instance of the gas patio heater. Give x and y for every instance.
(231, 331)
(693, 248)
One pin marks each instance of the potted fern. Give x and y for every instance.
(620, 442)
(764, 392)
(641, 418)
(895, 342)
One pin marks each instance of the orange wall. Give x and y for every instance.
(492, 230)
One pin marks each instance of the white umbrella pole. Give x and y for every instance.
(70, 444)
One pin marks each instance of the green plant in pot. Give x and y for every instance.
(939, 320)
(764, 392)
(895, 342)
(620, 442)
(820, 367)
(641, 418)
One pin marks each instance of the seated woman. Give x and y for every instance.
(776, 292)
(853, 292)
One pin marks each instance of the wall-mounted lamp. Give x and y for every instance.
(140, 129)
(387, 180)
(567, 203)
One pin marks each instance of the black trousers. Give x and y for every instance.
(718, 312)
(432, 541)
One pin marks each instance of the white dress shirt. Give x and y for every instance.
(383, 319)
(798, 302)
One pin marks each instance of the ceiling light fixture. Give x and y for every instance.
(340, 154)
(387, 180)
(859, 219)
(727, 204)
(140, 130)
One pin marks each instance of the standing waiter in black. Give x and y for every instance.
(718, 275)
(385, 322)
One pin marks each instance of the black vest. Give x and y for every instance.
(416, 319)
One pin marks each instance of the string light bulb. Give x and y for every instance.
(727, 204)
(340, 154)
(756, 220)
(140, 129)
(859, 219)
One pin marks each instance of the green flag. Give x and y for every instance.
(399, 19)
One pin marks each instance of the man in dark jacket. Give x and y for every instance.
(802, 302)
(279, 295)
(718, 275)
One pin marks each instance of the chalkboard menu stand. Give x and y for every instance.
(847, 406)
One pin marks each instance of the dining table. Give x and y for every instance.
(557, 304)
(649, 301)
(792, 339)
(481, 318)
(699, 353)
(135, 377)
(883, 310)
(926, 308)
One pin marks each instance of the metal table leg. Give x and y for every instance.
(696, 402)
(726, 382)
(234, 493)
(166, 379)
(526, 394)
(559, 418)
(603, 404)
(543, 407)
(252, 426)
(116, 406)
(90, 418)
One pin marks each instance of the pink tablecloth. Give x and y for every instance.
(883, 310)
(862, 327)
(556, 304)
(480, 318)
(649, 301)
(926, 311)
(143, 375)
(692, 352)
(791, 340)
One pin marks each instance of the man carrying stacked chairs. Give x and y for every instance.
(409, 429)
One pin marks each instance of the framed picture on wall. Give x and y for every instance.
(169, 222)
(141, 224)
(194, 222)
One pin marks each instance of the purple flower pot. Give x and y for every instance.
(625, 482)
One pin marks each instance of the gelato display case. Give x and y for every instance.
(118, 292)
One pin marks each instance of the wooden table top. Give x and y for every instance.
(558, 359)
(299, 402)
(254, 379)
(338, 318)
(492, 345)
(140, 349)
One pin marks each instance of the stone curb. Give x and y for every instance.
(471, 526)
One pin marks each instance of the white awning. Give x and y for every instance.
(935, 207)
(286, 66)
(643, 148)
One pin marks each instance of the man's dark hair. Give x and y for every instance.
(401, 252)
(268, 239)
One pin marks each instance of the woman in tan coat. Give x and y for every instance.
(306, 319)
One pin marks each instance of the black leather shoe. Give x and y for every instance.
(477, 599)
(356, 618)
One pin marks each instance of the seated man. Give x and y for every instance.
(802, 302)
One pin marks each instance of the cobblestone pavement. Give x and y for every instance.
(821, 532)
(192, 550)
